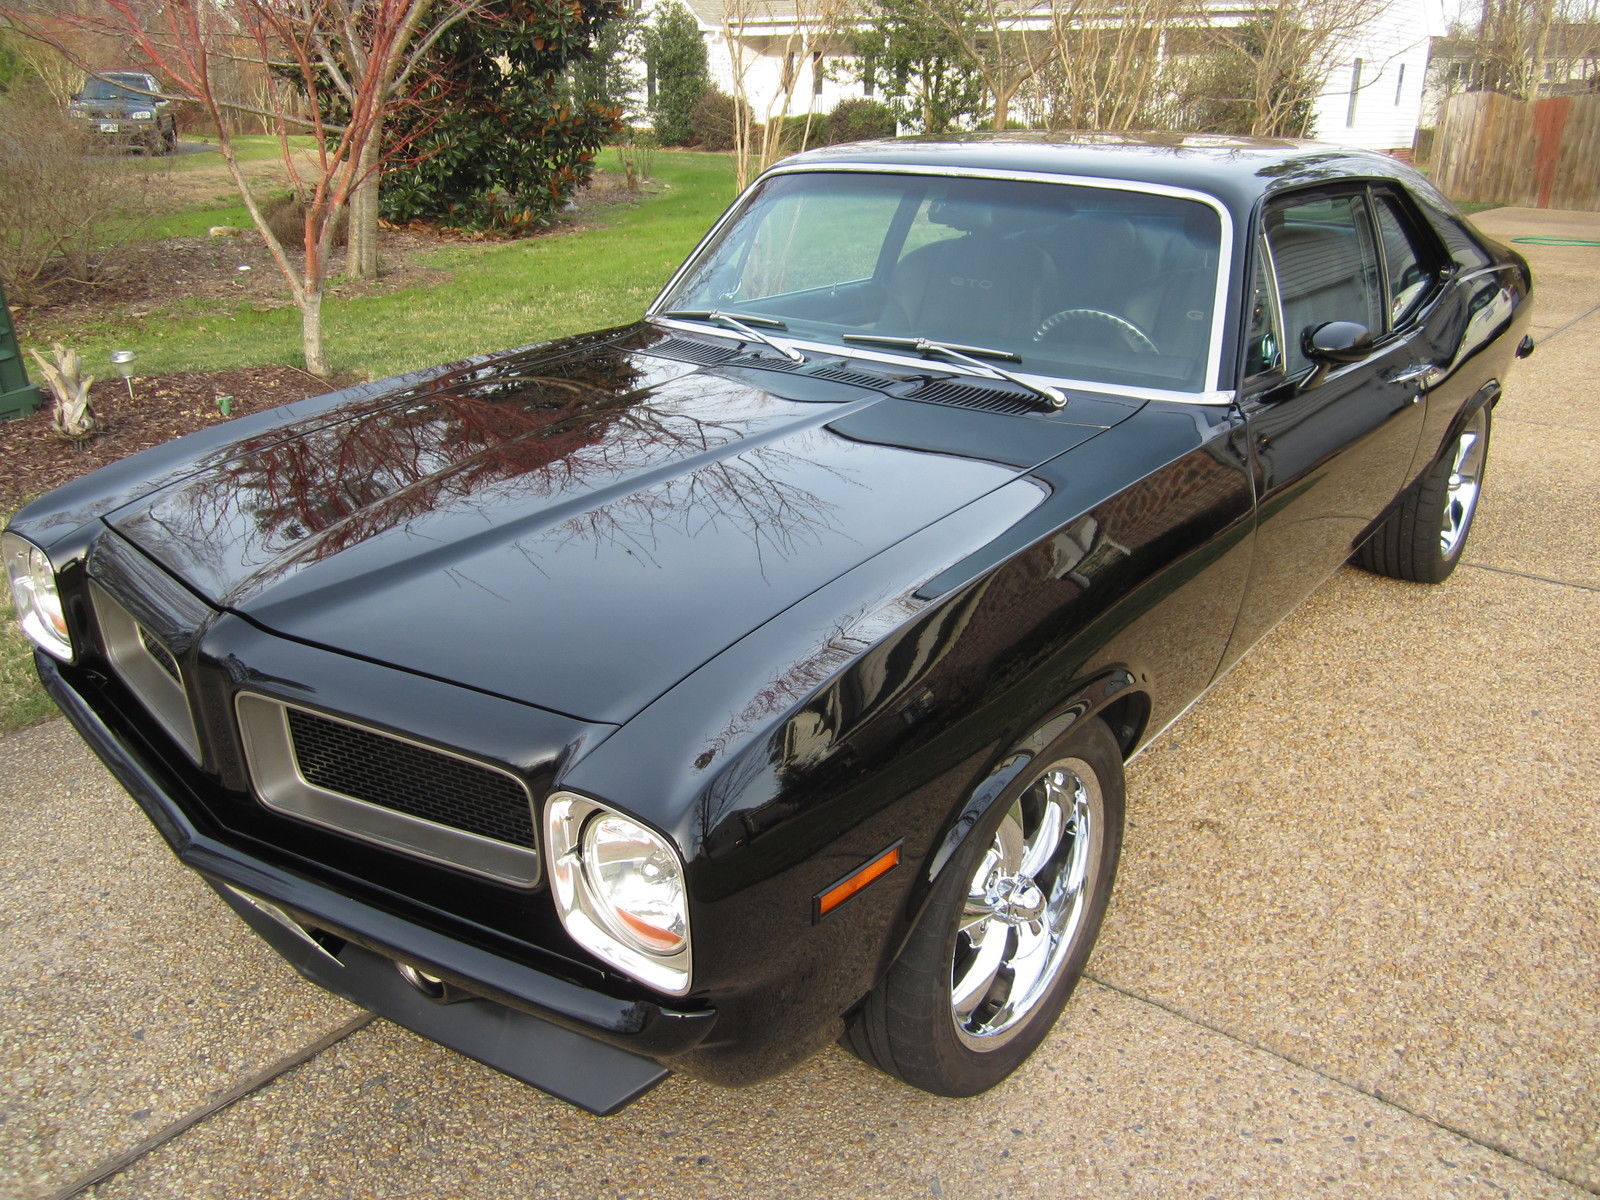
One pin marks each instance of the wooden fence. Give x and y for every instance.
(1497, 149)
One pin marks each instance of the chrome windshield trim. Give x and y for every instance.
(919, 365)
(1213, 374)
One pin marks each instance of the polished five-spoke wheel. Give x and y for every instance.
(1025, 904)
(1007, 928)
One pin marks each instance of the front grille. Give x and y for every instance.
(966, 395)
(386, 789)
(409, 778)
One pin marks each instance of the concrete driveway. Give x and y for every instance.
(1355, 950)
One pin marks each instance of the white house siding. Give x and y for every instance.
(1393, 54)
(1392, 49)
(764, 76)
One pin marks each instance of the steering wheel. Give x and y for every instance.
(1136, 338)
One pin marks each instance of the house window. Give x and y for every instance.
(1399, 84)
(1355, 90)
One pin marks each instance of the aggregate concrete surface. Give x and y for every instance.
(1355, 949)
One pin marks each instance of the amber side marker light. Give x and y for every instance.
(868, 872)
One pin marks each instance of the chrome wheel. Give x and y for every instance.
(1025, 904)
(1461, 491)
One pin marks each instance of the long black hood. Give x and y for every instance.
(579, 531)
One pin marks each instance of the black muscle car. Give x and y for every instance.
(688, 694)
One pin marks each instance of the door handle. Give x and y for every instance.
(1424, 374)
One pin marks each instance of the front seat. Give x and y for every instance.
(982, 287)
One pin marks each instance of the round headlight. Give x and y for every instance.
(619, 889)
(33, 592)
(637, 882)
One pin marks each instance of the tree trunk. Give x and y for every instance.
(361, 250)
(311, 332)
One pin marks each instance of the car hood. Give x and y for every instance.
(579, 530)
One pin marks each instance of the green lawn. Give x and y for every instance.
(497, 295)
(249, 147)
(22, 700)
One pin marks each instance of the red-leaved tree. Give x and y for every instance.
(370, 54)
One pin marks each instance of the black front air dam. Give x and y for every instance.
(595, 1050)
(569, 1066)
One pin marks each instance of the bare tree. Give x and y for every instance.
(364, 57)
(813, 30)
(1293, 41)
(1110, 61)
(1008, 43)
(1521, 46)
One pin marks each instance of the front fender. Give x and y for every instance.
(1003, 784)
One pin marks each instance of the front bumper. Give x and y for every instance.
(121, 131)
(596, 1051)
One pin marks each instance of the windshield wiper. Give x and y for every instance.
(967, 356)
(742, 324)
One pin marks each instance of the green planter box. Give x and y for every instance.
(18, 397)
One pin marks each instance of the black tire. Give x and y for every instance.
(915, 1025)
(170, 141)
(1422, 538)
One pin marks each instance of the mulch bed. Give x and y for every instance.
(37, 459)
(34, 459)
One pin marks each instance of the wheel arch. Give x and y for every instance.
(1114, 697)
(1487, 396)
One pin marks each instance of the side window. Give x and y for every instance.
(1327, 269)
(1410, 278)
(1262, 343)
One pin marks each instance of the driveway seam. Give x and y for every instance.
(1560, 329)
(1389, 1102)
(1505, 419)
(1567, 583)
(117, 1163)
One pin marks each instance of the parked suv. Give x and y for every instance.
(123, 108)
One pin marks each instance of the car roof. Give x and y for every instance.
(1236, 170)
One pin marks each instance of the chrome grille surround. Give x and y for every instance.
(281, 783)
(149, 669)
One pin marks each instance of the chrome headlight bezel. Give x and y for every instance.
(571, 823)
(36, 596)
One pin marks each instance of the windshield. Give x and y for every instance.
(105, 89)
(1090, 283)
